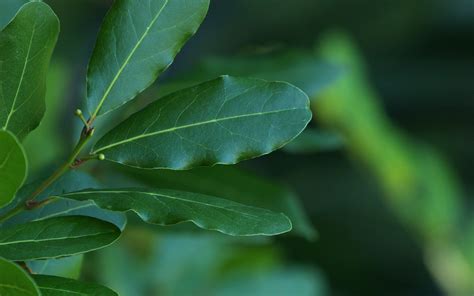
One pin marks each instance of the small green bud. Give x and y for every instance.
(78, 112)
(101, 157)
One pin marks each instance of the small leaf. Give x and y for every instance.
(56, 237)
(26, 46)
(13, 167)
(15, 281)
(221, 121)
(137, 42)
(58, 286)
(167, 207)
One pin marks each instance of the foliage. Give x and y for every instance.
(222, 121)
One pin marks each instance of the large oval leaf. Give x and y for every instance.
(221, 121)
(167, 207)
(56, 237)
(137, 42)
(13, 167)
(58, 286)
(15, 281)
(26, 46)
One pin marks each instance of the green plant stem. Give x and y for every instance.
(22, 206)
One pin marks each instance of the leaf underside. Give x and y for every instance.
(168, 207)
(58, 286)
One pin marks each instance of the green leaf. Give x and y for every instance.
(58, 286)
(72, 181)
(13, 167)
(15, 281)
(26, 46)
(137, 42)
(8, 9)
(56, 237)
(167, 207)
(221, 121)
(233, 184)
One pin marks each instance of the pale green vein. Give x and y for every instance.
(16, 288)
(176, 128)
(155, 195)
(52, 239)
(27, 58)
(7, 158)
(62, 290)
(127, 60)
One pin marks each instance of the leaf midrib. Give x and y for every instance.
(167, 196)
(53, 239)
(16, 288)
(62, 290)
(175, 128)
(127, 60)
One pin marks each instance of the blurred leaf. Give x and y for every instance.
(151, 35)
(233, 184)
(47, 135)
(72, 181)
(221, 121)
(167, 207)
(26, 46)
(298, 67)
(8, 9)
(56, 237)
(57, 286)
(15, 281)
(13, 167)
(420, 186)
(313, 141)
(202, 264)
(288, 281)
(69, 267)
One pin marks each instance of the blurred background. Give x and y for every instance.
(379, 188)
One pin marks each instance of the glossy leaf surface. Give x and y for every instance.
(137, 42)
(167, 207)
(13, 167)
(15, 281)
(56, 237)
(222, 121)
(58, 286)
(26, 46)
